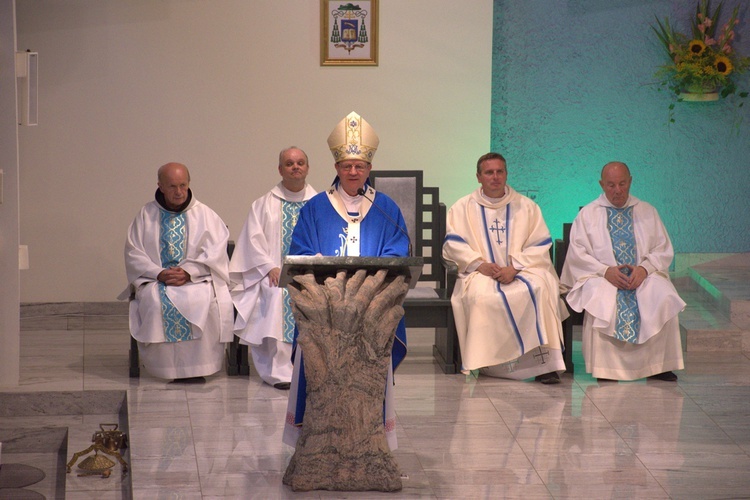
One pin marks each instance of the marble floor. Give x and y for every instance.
(459, 436)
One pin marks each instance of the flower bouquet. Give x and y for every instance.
(701, 66)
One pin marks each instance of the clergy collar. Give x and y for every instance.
(632, 200)
(493, 200)
(159, 196)
(337, 183)
(292, 195)
(352, 203)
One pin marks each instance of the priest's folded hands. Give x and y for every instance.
(503, 274)
(174, 276)
(625, 276)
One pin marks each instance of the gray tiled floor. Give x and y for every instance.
(459, 437)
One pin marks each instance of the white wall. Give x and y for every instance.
(223, 85)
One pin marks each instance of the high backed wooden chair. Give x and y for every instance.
(429, 304)
(575, 318)
(238, 355)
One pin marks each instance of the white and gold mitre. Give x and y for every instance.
(353, 139)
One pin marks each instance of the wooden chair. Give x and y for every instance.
(238, 355)
(575, 318)
(429, 304)
(135, 361)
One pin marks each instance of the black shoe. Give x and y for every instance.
(282, 386)
(606, 380)
(665, 376)
(190, 380)
(548, 378)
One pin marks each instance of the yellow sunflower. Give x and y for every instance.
(723, 65)
(696, 47)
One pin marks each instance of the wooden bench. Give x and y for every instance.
(429, 304)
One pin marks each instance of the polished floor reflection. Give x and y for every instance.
(459, 436)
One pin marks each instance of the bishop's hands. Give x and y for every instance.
(498, 273)
(625, 276)
(174, 276)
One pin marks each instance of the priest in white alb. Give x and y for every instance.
(617, 271)
(264, 314)
(178, 273)
(506, 300)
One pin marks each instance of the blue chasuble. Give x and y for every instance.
(323, 230)
(620, 226)
(172, 244)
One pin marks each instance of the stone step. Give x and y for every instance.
(717, 315)
(74, 316)
(705, 327)
(726, 281)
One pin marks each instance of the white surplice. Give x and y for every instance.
(259, 321)
(590, 253)
(204, 301)
(512, 330)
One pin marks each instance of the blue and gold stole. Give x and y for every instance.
(620, 227)
(173, 244)
(289, 215)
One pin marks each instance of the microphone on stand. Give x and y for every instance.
(361, 192)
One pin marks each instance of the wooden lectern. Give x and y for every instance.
(347, 310)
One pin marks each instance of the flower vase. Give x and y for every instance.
(699, 93)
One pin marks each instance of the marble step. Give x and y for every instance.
(716, 316)
(704, 327)
(74, 316)
(726, 282)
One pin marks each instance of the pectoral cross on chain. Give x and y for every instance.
(497, 229)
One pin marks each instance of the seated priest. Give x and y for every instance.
(178, 273)
(617, 271)
(506, 301)
(349, 219)
(264, 314)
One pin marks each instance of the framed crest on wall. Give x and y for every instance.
(348, 33)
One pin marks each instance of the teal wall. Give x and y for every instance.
(574, 87)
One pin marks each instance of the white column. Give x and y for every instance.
(10, 295)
